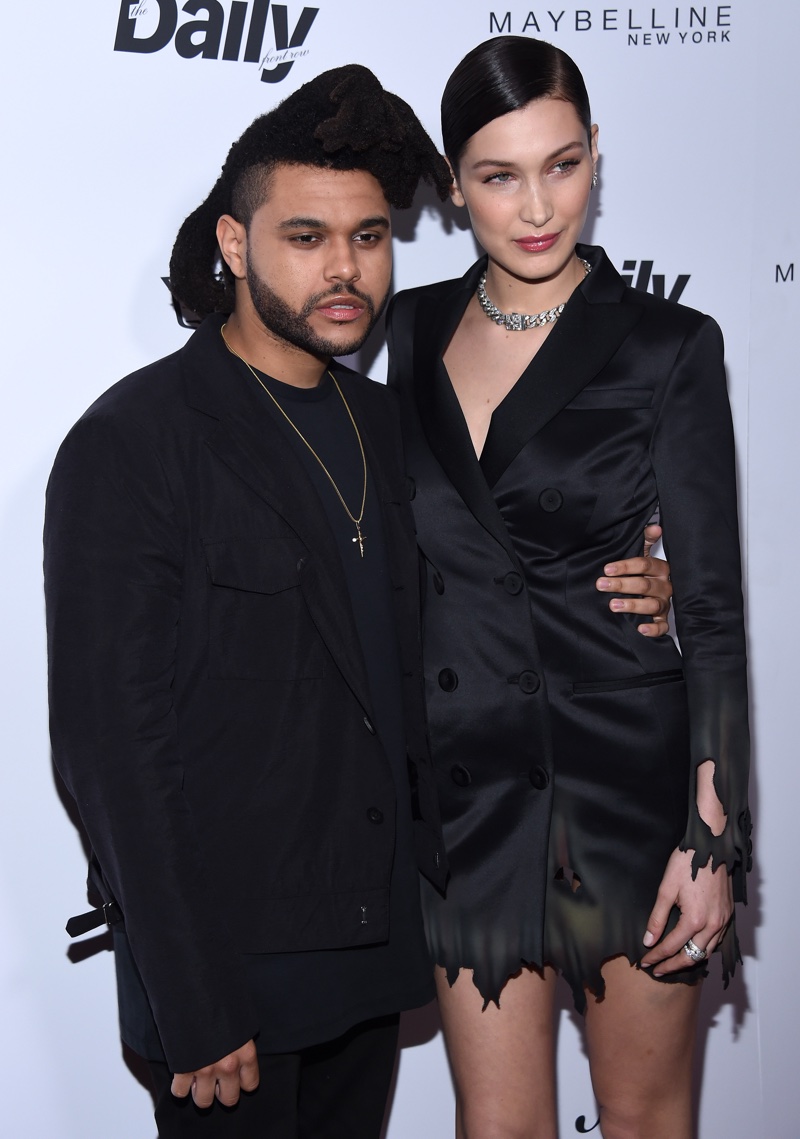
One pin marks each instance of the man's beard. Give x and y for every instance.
(294, 327)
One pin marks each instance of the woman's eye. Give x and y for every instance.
(564, 166)
(501, 178)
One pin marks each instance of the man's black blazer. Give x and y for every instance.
(209, 705)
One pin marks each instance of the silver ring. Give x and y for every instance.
(694, 951)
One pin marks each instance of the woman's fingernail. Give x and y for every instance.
(617, 603)
(648, 939)
(603, 583)
(610, 570)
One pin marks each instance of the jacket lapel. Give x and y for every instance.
(440, 413)
(251, 445)
(586, 336)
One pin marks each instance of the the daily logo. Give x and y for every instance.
(649, 282)
(236, 32)
(651, 26)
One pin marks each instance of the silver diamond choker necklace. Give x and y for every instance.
(518, 321)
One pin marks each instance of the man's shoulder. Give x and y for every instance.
(141, 393)
(135, 415)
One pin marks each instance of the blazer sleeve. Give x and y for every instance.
(694, 461)
(113, 582)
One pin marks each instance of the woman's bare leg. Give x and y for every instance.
(641, 1039)
(502, 1059)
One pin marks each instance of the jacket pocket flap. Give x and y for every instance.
(647, 680)
(264, 565)
(610, 398)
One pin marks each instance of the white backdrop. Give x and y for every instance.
(107, 150)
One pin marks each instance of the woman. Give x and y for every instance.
(593, 781)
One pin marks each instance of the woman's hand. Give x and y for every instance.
(646, 577)
(706, 905)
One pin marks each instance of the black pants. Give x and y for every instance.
(336, 1090)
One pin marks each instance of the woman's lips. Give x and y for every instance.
(533, 244)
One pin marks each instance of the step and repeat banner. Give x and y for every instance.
(117, 119)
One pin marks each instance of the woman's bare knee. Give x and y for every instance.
(640, 1038)
(488, 1128)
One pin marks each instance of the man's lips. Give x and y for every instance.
(536, 244)
(341, 309)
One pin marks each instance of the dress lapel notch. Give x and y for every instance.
(440, 412)
(591, 329)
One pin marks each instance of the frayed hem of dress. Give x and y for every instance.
(593, 982)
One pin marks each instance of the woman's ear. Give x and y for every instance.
(232, 240)
(455, 190)
(593, 137)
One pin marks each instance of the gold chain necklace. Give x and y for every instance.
(360, 538)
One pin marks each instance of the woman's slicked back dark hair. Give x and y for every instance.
(501, 75)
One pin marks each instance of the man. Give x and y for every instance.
(236, 697)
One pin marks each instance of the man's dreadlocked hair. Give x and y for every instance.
(341, 120)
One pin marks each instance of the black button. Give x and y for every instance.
(551, 500)
(374, 815)
(448, 680)
(412, 488)
(512, 583)
(538, 777)
(369, 725)
(528, 682)
(301, 563)
(438, 584)
(460, 776)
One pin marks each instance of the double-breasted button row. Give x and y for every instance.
(512, 583)
(538, 777)
(528, 682)
(448, 680)
(551, 500)
(460, 775)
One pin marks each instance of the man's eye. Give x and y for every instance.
(305, 238)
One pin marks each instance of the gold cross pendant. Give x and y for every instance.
(361, 539)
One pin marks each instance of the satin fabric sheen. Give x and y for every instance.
(565, 743)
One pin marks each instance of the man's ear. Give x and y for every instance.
(232, 239)
(455, 190)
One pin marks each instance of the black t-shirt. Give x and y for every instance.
(306, 998)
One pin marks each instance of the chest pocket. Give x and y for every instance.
(259, 627)
(599, 399)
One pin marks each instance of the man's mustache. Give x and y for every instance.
(338, 291)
